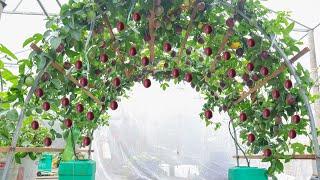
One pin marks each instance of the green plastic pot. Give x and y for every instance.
(45, 163)
(247, 173)
(77, 170)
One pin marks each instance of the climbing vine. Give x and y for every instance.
(108, 46)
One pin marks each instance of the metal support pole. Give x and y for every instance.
(59, 3)
(235, 143)
(19, 124)
(2, 5)
(42, 7)
(314, 74)
(315, 78)
(17, 6)
(28, 13)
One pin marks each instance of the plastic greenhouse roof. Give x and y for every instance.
(15, 28)
(23, 26)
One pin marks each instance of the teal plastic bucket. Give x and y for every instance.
(247, 173)
(45, 163)
(77, 170)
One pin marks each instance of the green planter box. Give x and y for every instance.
(247, 173)
(45, 163)
(77, 170)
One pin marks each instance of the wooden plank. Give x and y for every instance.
(151, 32)
(225, 40)
(183, 44)
(61, 70)
(38, 149)
(264, 81)
(298, 157)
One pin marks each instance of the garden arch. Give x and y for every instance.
(205, 43)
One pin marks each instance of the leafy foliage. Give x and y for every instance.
(68, 39)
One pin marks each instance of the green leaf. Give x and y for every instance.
(42, 63)
(5, 105)
(58, 135)
(51, 123)
(6, 51)
(55, 42)
(68, 153)
(279, 166)
(1, 64)
(298, 147)
(76, 35)
(17, 158)
(12, 115)
(9, 76)
(71, 53)
(35, 38)
(22, 68)
(32, 156)
(56, 83)
(27, 41)
(289, 28)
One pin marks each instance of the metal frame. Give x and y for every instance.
(58, 2)
(2, 6)
(17, 6)
(43, 8)
(28, 13)
(275, 45)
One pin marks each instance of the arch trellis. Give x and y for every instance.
(164, 34)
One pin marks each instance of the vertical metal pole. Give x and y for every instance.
(314, 76)
(19, 125)
(235, 144)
